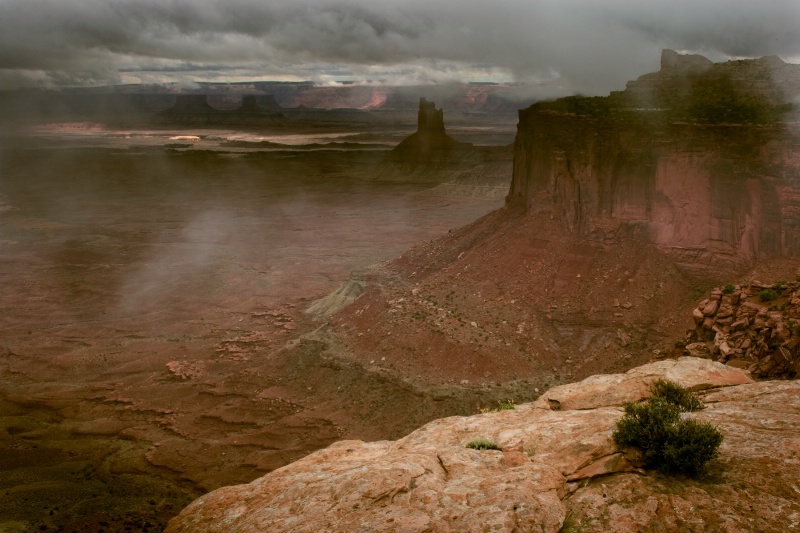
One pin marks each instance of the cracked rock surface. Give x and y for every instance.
(558, 462)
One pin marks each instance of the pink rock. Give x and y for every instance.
(429, 481)
(711, 308)
(725, 311)
(616, 389)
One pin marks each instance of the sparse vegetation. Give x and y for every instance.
(505, 405)
(671, 392)
(502, 405)
(570, 524)
(669, 443)
(728, 289)
(767, 295)
(482, 444)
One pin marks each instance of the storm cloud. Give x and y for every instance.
(588, 46)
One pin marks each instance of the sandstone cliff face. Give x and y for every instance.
(557, 460)
(698, 155)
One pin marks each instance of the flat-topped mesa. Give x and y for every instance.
(191, 104)
(703, 159)
(258, 105)
(672, 60)
(194, 109)
(429, 119)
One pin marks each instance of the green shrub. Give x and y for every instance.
(767, 295)
(668, 442)
(671, 392)
(505, 405)
(690, 445)
(727, 289)
(646, 426)
(502, 405)
(483, 444)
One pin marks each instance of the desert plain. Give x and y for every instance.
(153, 283)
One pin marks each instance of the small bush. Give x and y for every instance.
(668, 442)
(646, 426)
(690, 445)
(505, 405)
(502, 405)
(482, 444)
(767, 295)
(671, 392)
(727, 289)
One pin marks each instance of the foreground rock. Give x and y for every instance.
(554, 464)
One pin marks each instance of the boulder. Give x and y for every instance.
(616, 389)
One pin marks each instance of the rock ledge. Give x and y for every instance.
(557, 459)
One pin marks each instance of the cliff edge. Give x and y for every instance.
(558, 463)
(704, 158)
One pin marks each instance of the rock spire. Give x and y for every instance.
(429, 119)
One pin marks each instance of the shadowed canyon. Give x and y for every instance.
(199, 291)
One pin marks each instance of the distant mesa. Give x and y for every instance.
(195, 109)
(258, 105)
(186, 104)
(694, 89)
(672, 60)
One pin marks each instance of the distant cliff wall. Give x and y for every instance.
(194, 109)
(713, 194)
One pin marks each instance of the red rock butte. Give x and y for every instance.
(703, 158)
(429, 146)
(429, 119)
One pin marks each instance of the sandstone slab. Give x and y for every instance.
(634, 385)
(553, 464)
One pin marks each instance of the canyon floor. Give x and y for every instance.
(154, 339)
(148, 293)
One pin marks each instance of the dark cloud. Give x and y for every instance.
(587, 45)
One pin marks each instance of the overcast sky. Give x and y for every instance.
(587, 46)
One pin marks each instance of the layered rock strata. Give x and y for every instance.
(704, 157)
(756, 327)
(557, 459)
